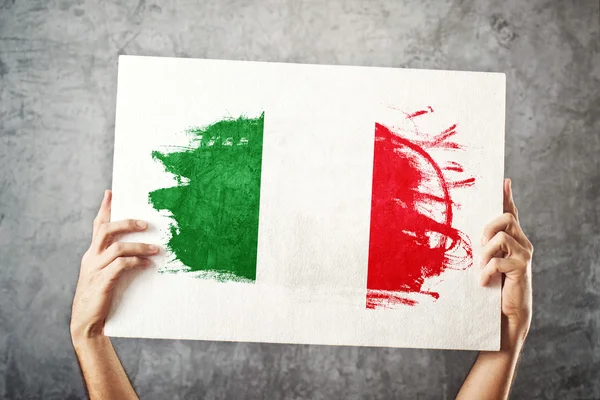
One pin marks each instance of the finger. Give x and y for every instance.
(504, 265)
(505, 223)
(115, 268)
(108, 230)
(509, 203)
(504, 243)
(104, 212)
(121, 249)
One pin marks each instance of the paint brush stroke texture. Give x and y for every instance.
(411, 236)
(215, 205)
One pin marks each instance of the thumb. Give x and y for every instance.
(509, 203)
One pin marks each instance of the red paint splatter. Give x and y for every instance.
(443, 136)
(463, 183)
(411, 238)
(453, 166)
(420, 112)
(376, 297)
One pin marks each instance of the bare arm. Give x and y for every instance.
(104, 375)
(101, 267)
(508, 251)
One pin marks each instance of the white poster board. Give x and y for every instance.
(328, 223)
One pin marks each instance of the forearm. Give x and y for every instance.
(104, 375)
(492, 374)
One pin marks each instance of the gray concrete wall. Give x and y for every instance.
(58, 70)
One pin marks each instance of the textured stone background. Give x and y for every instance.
(58, 71)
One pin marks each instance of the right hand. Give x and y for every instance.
(101, 266)
(507, 250)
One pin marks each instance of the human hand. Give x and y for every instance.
(507, 250)
(101, 266)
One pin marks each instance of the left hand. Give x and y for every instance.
(101, 266)
(507, 250)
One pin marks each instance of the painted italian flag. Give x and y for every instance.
(215, 207)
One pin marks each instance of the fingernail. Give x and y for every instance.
(483, 240)
(153, 248)
(141, 224)
(145, 262)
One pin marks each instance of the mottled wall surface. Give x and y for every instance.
(58, 71)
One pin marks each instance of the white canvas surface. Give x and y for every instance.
(315, 201)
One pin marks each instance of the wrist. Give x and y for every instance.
(514, 333)
(519, 325)
(86, 343)
(86, 334)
